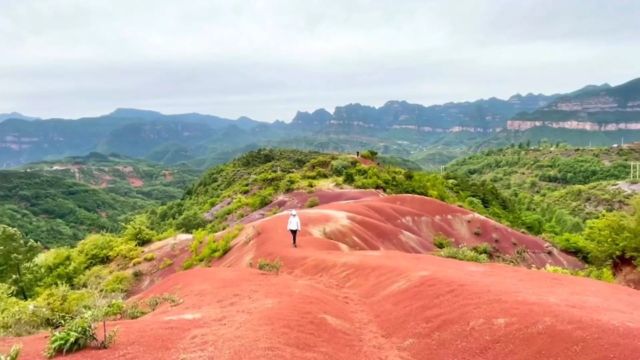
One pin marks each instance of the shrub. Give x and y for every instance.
(166, 263)
(77, 335)
(440, 241)
(149, 257)
(60, 303)
(138, 231)
(464, 254)
(157, 300)
(602, 274)
(312, 202)
(269, 266)
(134, 311)
(13, 354)
(118, 282)
(135, 262)
(369, 154)
(483, 249)
(17, 318)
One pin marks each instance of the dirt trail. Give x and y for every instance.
(363, 291)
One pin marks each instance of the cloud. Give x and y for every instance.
(268, 59)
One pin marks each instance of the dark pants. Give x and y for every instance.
(294, 234)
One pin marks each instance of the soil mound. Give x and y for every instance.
(360, 286)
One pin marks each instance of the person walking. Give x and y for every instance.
(294, 226)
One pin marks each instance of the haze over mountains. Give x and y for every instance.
(396, 128)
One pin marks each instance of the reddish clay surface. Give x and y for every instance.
(357, 288)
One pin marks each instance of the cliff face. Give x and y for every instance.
(590, 109)
(521, 125)
(482, 116)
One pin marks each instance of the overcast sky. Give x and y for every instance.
(268, 59)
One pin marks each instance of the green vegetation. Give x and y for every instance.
(602, 274)
(13, 354)
(569, 195)
(440, 241)
(464, 253)
(59, 203)
(270, 266)
(206, 248)
(225, 193)
(369, 155)
(63, 283)
(312, 202)
(76, 335)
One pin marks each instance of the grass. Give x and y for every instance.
(166, 263)
(270, 266)
(312, 202)
(149, 257)
(204, 253)
(440, 241)
(463, 253)
(13, 354)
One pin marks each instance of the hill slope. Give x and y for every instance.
(591, 109)
(58, 203)
(354, 302)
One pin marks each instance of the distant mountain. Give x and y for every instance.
(593, 108)
(130, 132)
(429, 135)
(16, 115)
(485, 115)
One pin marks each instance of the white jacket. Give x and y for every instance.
(294, 223)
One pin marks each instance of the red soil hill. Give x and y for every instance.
(384, 301)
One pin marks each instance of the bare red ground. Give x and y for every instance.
(135, 181)
(381, 302)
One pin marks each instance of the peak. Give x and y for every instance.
(16, 115)
(130, 112)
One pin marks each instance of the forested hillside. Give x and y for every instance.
(59, 203)
(581, 199)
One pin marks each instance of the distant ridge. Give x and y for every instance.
(16, 115)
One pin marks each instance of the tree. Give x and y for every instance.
(138, 231)
(15, 253)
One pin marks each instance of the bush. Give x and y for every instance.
(166, 263)
(149, 257)
(60, 303)
(369, 154)
(77, 335)
(157, 300)
(603, 274)
(440, 241)
(269, 266)
(312, 202)
(483, 249)
(135, 262)
(13, 354)
(17, 317)
(138, 231)
(464, 254)
(118, 283)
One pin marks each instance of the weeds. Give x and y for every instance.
(149, 257)
(270, 266)
(213, 249)
(166, 263)
(312, 202)
(77, 335)
(13, 354)
(464, 254)
(441, 241)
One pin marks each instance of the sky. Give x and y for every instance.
(268, 59)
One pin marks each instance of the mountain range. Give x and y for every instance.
(430, 135)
